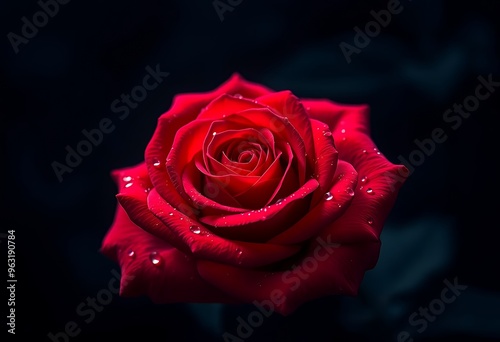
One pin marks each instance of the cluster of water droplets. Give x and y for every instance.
(129, 182)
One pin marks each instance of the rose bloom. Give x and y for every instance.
(249, 195)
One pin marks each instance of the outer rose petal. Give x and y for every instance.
(325, 270)
(364, 219)
(338, 116)
(141, 277)
(379, 179)
(134, 184)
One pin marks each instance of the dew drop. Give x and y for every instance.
(155, 258)
(127, 179)
(365, 151)
(156, 162)
(370, 221)
(340, 176)
(350, 191)
(238, 96)
(131, 254)
(195, 229)
(171, 214)
(327, 133)
(214, 133)
(128, 185)
(364, 179)
(240, 252)
(369, 191)
(279, 201)
(328, 196)
(343, 130)
(339, 205)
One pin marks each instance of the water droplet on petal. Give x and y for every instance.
(327, 133)
(131, 254)
(365, 151)
(195, 229)
(369, 191)
(364, 179)
(328, 196)
(238, 96)
(370, 221)
(350, 191)
(156, 162)
(339, 205)
(127, 179)
(340, 176)
(279, 201)
(343, 130)
(128, 185)
(214, 133)
(155, 258)
(171, 214)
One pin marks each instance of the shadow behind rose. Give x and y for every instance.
(243, 185)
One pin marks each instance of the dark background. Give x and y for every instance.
(444, 224)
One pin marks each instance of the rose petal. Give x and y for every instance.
(209, 198)
(365, 217)
(330, 208)
(226, 105)
(325, 270)
(339, 116)
(288, 105)
(265, 223)
(325, 164)
(174, 279)
(205, 244)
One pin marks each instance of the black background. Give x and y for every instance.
(444, 224)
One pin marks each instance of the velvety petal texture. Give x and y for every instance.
(247, 194)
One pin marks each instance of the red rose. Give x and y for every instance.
(247, 195)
